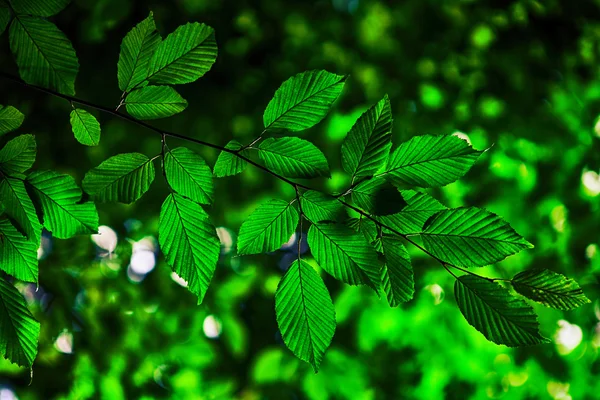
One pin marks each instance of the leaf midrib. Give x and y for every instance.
(84, 125)
(123, 176)
(190, 175)
(270, 223)
(14, 328)
(472, 151)
(7, 238)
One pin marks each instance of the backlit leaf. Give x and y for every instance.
(10, 119)
(152, 102)
(412, 218)
(18, 155)
(18, 256)
(188, 175)
(20, 207)
(397, 273)
(549, 288)
(229, 164)
(85, 127)
(318, 206)
(43, 8)
(293, 157)
(378, 197)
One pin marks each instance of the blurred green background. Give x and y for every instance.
(519, 75)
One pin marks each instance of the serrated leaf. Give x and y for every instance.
(86, 127)
(471, 237)
(19, 331)
(303, 100)
(189, 242)
(153, 102)
(431, 161)
(345, 254)
(45, 8)
(44, 54)
(59, 198)
(550, 289)
(20, 207)
(5, 17)
(184, 56)
(378, 197)
(18, 256)
(420, 207)
(137, 49)
(229, 164)
(368, 229)
(18, 155)
(268, 227)
(123, 178)
(397, 275)
(366, 147)
(305, 313)
(188, 174)
(293, 157)
(10, 119)
(493, 311)
(318, 206)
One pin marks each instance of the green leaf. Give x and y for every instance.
(184, 56)
(20, 207)
(471, 237)
(345, 254)
(189, 242)
(368, 229)
(267, 228)
(366, 147)
(5, 16)
(85, 127)
(10, 119)
(493, 311)
(188, 174)
(420, 207)
(378, 197)
(19, 331)
(137, 48)
(229, 164)
(431, 161)
(18, 155)
(305, 313)
(550, 289)
(44, 54)
(18, 256)
(152, 102)
(303, 100)
(44, 8)
(318, 206)
(397, 273)
(123, 178)
(59, 198)
(293, 157)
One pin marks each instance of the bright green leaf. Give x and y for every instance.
(267, 228)
(368, 229)
(303, 100)
(471, 237)
(10, 119)
(189, 242)
(86, 127)
(18, 155)
(123, 178)
(549, 288)
(378, 197)
(152, 102)
(412, 218)
(229, 164)
(18, 256)
(397, 273)
(20, 207)
(493, 311)
(318, 206)
(44, 54)
(188, 175)
(293, 157)
(305, 313)
(59, 198)
(43, 8)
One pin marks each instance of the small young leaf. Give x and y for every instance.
(293, 157)
(43, 53)
(45, 8)
(412, 218)
(397, 273)
(303, 100)
(267, 228)
(20, 207)
(493, 311)
(18, 155)
(344, 254)
(5, 16)
(305, 313)
(18, 329)
(366, 147)
(189, 242)
(18, 256)
(549, 288)
(318, 206)
(85, 127)
(229, 164)
(471, 237)
(59, 198)
(153, 102)
(137, 48)
(378, 197)
(184, 56)
(123, 178)
(188, 175)
(10, 119)
(431, 161)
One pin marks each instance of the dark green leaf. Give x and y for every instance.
(10, 119)
(397, 273)
(20, 207)
(378, 197)
(18, 256)
(40, 8)
(305, 313)
(412, 218)
(188, 175)
(549, 288)
(229, 164)
(493, 311)
(293, 157)
(5, 16)
(318, 206)
(18, 155)
(152, 102)
(85, 127)
(303, 100)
